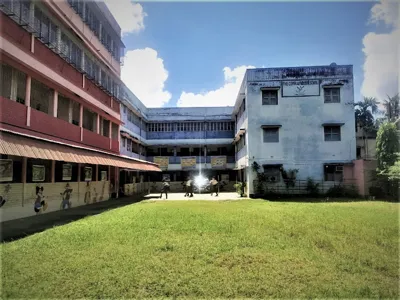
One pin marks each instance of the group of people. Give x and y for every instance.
(188, 186)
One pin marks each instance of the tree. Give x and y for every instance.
(387, 147)
(394, 171)
(364, 114)
(392, 108)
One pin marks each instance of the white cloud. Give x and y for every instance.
(223, 96)
(129, 15)
(381, 66)
(145, 75)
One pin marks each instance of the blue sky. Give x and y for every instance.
(186, 46)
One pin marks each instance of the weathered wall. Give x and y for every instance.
(301, 136)
(21, 197)
(189, 113)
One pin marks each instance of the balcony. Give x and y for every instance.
(199, 159)
(44, 123)
(96, 140)
(12, 112)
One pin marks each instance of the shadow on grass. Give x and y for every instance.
(320, 199)
(16, 229)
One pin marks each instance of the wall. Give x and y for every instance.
(301, 136)
(21, 197)
(189, 113)
(363, 175)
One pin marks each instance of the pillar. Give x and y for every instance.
(80, 115)
(53, 171)
(28, 99)
(110, 133)
(97, 173)
(55, 104)
(79, 172)
(98, 124)
(24, 167)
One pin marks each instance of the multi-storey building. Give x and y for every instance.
(60, 106)
(284, 118)
(296, 118)
(182, 141)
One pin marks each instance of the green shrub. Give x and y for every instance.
(240, 188)
(343, 191)
(312, 187)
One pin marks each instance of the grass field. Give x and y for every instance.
(246, 249)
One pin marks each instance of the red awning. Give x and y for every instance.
(31, 147)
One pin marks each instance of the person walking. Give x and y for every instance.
(189, 188)
(214, 186)
(184, 187)
(165, 188)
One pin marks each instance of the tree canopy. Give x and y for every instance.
(387, 147)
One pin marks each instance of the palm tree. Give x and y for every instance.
(364, 113)
(392, 108)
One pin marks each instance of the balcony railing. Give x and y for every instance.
(199, 159)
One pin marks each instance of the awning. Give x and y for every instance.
(32, 147)
(332, 124)
(271, 126)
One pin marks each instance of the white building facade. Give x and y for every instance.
(296, 118)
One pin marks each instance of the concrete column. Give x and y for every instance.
(24, 167)
(109, 174)
(70, 111)
(97, 173)
(100, 30)
(80, 115)
(79, 172)
(110, 133)
(53, 171)
(28, 99)
(175, 152)
(55, 104)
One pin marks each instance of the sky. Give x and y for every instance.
(195, 54)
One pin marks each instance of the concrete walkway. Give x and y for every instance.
(181, 196)
(16, 229)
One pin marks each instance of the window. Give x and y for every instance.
(271, 135)
(332, 95)
(333, 172)
(129, 145)
(269, 97)
(272, 173)
(358, 152)
(332, 133)
(124, 108)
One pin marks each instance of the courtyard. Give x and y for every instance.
(211, 249)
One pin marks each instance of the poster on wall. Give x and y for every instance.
(38, 173)
(103, 175)
(300, 88)
(6, 170)
(88, 174)
(162, 161)
(218, 162)
(67, 172)
(188, 163)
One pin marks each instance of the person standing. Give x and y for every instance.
(214, 186)
(165, 188)
(189, 188)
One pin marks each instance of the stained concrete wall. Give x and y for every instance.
(301, 136)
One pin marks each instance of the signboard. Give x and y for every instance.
(67, 172)
(188, 163)
(162, 161)
(38, 173)
(6, 170)
(300, 88)
(218, 162)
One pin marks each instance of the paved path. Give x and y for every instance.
(180, 196)
(16, 229)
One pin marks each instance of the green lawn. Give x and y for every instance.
(246, 249)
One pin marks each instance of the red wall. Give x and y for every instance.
(12, 112)
(45, 123)
(13, 32)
